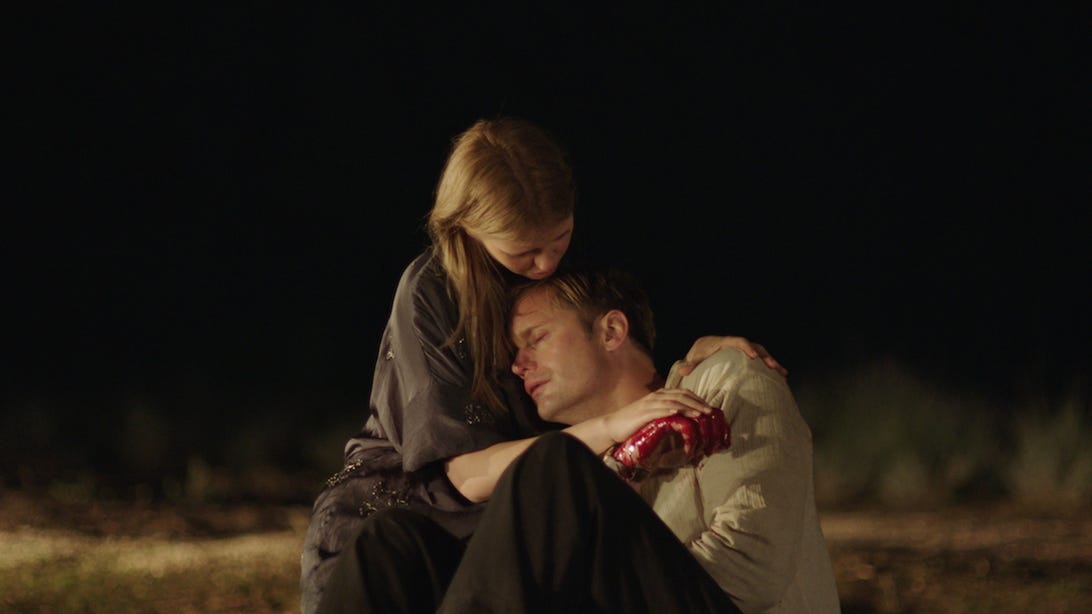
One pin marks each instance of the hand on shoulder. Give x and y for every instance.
(708, 345)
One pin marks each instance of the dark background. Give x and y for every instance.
(209, 209)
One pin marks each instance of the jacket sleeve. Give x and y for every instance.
(753, 496)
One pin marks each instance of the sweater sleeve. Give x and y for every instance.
(752, 496)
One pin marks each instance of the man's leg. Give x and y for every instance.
(400, 561)
(562, 533)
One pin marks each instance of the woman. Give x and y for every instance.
(447, 416)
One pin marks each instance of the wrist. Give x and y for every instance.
(604, 425)
(632, 475)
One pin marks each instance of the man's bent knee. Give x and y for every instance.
(554, 459)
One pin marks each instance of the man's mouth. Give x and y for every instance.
(532, 387)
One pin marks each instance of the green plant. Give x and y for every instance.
(1051, 465)
(883, 434)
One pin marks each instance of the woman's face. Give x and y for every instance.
(534, 255)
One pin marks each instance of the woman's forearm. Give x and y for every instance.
(475, 474)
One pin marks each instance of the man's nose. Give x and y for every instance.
(521, 364)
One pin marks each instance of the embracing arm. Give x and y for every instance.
(475, 474)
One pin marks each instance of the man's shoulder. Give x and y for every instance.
(729, 358)
(725, 363)
(727, 373)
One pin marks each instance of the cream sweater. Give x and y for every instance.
(748, 513)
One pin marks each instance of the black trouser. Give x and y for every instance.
(561, 534)
(399, 562)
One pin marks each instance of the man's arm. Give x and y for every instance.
(753, 496)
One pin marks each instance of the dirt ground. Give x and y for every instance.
(983, 559)
(123, 557)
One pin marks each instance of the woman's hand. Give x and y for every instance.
(706, 346)
(664, 402)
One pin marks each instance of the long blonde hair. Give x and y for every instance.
(504, 177)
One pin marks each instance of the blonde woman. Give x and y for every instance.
(447, 416)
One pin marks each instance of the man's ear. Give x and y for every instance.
(614, 328)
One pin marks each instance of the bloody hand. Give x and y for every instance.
(673, 441)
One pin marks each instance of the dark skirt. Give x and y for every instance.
(371, 480)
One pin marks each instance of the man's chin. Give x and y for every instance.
(546, 412)
(555, 417)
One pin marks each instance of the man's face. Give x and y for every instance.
(558, 360)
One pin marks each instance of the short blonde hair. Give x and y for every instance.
(504, 177)
(592, 292)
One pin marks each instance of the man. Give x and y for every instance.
(746, 514)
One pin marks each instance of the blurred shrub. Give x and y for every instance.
(1051, 465)
(883, 434)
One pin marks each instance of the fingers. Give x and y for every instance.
(673, 441)
(706, 434)
(747, 347)
(773, 364)
(663, 442)
(705, 347)
(720, 435)
(684, 402)
(770, 361)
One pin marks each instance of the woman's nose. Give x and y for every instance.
(547, 263)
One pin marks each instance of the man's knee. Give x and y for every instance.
(554, 459)
(557, 449)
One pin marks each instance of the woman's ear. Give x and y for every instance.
(614, 328)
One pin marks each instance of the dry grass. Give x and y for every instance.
(118, 558)
(97, 557)
(53, 571)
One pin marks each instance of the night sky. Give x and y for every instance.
(208, 210)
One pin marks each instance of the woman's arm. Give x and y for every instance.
(475, 474)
